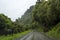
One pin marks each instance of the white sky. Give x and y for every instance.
(15, 8)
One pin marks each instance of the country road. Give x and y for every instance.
(35, 36)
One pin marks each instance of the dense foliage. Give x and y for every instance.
(9, 27)
(5, 24)
(55, 32)
(47, 13)
(44, 16)
(20, 25)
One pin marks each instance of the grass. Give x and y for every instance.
(14, 36)
(55, 32)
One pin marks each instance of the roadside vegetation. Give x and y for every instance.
(43, 16)
(46, 16)
(55, 32)
(14, 36)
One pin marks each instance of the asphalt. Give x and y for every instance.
(35, 36)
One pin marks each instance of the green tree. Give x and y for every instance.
(5, 24)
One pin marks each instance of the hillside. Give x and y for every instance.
(26, 18)
(43, 17)
(47, 15)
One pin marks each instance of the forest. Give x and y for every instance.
(44, 16)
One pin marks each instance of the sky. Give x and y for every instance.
(15, 8)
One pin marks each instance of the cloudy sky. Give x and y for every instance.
(15, 8)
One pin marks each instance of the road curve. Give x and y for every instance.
(35, 36)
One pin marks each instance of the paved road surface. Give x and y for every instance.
(35, 36)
